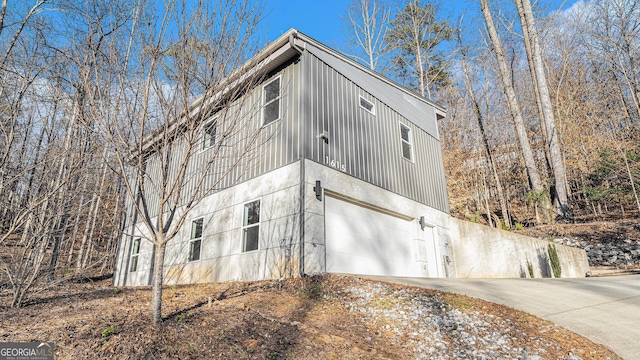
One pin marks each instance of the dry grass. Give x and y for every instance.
(259, 320)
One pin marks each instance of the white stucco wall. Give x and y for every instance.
(480, 251)
(462, 249)
(221, 257)
(341, 183)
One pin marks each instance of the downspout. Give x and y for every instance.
(292, 42)
(301, 157)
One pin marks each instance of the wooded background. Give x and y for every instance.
(542, 124)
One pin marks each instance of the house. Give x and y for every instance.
(351, 180)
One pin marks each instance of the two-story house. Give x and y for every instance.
(350, 180)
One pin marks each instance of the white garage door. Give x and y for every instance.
(364, 241)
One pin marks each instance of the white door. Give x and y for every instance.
(427, 253)
(365, 241)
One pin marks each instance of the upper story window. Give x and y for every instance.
(135, 253)
(271, 101)
(195, 240)
(209, 134)
(407, 144)
(251, 226)
(367, 105)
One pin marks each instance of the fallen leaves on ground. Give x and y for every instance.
(310, 318)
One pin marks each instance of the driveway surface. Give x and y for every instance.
(605, 310)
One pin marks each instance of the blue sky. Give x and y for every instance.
(321, 19)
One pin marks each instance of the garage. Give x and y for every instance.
(361, 240)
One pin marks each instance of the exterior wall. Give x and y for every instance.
(222, 258)
(277, 146)
(341, 183)
(364, 145)
(483, 252)
(249, 149)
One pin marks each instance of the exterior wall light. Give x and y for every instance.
(318, 190)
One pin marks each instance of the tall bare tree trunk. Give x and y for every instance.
(74, 232)
(94, 216)
(516, 113)
(553, 142)
(485, 139)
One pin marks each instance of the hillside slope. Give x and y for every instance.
(323, 317)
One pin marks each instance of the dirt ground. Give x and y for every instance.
(599, 231)
(601, 240)
(294, 318)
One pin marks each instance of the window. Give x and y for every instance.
(195, 240)
(135, 251)
(271, 101)
(251, 226)
(405, 135)
(367, 105)
(209, 134)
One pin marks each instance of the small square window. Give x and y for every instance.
(209, 134)
(367, 105)
(407, 146)
(135, 253)
(195, 239)
(251, 226)
(271, 101)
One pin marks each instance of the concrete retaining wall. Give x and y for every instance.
(480, 251)
(222, 258)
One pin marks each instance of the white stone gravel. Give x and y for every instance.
(434, 330)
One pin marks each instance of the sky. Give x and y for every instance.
(322, 19)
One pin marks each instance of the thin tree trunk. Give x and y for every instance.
(85, 236)
(95, 214)
(158, 275)
(633, 185)
(553, 142)
(485, 187)
(516, 113)
(118, 222)
(74, 232)
(485, 140)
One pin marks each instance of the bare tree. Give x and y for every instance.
(483, 133)
(613, 32)
(368, 21)
(516, 113)
(182, 150)
(531, 38)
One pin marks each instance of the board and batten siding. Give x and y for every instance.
(249, 150)
(364, 145)
(368, 146)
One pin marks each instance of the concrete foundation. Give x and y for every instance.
(455, 248)
(480, 251)
(222, 258)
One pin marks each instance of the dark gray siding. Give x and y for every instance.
(248, 151)
(316, 98)
(368, 146)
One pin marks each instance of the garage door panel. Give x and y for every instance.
(365, 246)
(365, 265)
(364, 241)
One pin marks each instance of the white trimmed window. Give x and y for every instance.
(135, 253)
(407, 144)
(271, 101)
(367, 105)
(209, 134)
(195, 240)
(251, 226)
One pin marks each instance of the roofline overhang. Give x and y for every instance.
(289, 45)
(261, 64)
(440, 110)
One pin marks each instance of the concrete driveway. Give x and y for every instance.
(605, 310)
